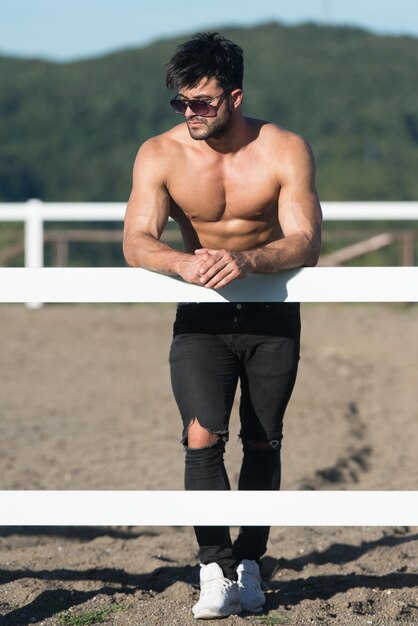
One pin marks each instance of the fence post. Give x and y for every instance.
(61, 251)
(407, 254)
(34, 239)
(34, 235)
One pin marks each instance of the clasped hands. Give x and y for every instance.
(215, 268)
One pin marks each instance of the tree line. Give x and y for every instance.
(70, 131)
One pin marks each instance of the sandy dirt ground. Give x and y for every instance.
(87, 404)
(86, 401)
(148, 576)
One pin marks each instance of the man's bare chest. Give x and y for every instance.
(213, 193)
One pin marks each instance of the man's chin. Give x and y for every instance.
(198, 133)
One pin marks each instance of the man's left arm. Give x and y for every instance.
(300, 219)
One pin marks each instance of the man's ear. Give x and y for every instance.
(237, 96)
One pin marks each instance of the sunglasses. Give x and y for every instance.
(198, 107)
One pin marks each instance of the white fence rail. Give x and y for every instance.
(186, 508)
(35, 212)
(318, 284)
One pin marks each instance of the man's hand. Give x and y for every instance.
(189, 268)
(220, 267)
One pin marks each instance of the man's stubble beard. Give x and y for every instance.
(219, 128)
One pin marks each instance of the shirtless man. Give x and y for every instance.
(244, 196)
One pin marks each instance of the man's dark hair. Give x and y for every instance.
(206, 55)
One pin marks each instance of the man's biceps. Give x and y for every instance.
(148, 204)
(299, 220)
(145, 224)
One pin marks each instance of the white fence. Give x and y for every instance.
(35, 284)
(34, 213)
(134, 285)
(314, 284)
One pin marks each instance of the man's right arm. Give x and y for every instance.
(147, 215)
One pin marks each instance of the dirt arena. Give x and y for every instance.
(87, 404)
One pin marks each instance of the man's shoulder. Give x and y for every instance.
(167, 141)
(275, 134)
(284, 147)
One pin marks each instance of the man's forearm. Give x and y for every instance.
(293, 251)
(221, 266)
(149, 253)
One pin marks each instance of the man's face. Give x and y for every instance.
(219, 118)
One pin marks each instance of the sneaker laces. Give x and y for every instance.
(215, 585)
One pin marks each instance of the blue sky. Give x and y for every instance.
(70, 29)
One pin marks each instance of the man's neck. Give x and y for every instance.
(234, 139)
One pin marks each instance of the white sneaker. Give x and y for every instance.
(219, 596)
(249, 583)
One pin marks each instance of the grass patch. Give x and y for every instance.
(90, 618)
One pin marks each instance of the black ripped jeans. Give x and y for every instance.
(214, 346)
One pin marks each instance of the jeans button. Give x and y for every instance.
(239, 306)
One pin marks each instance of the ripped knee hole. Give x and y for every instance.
(200, 437)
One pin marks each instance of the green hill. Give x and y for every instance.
(70, 131)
